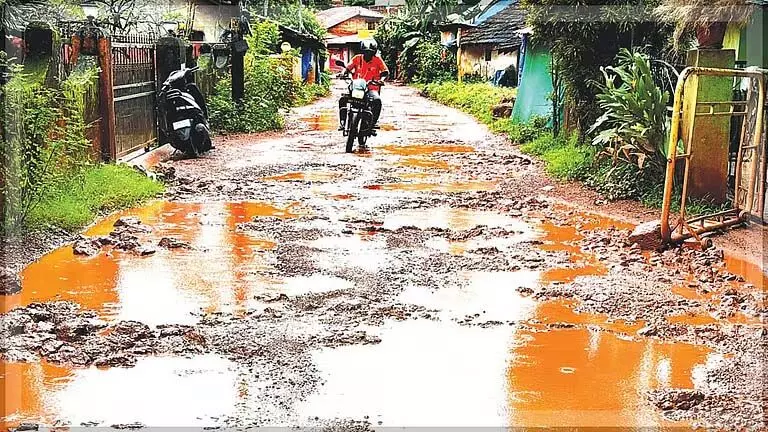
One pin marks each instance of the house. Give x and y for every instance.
(209, 18)
(388, 7)
(346, 27)
(489, 45)
(750, 41)
(312, 51)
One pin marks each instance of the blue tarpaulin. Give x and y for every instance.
(306, 62)
(493, 10)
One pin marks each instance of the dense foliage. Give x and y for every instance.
(580, 46)
(476, 99)
(410, 39)
(433, 63)
(632, 129)
(269, 87)
(287, 13)
(43, 137)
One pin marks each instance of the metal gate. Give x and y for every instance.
(750, 167)
(134, 75)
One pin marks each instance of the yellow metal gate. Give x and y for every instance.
(749, 190)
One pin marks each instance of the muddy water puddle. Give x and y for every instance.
(518, 371)
(220, 269)
(503, 375)
(424, 373)
(158, 391)
(447, 187)
(427, 163)
(566, 236)
(452, 219)
(492, 296)
(325, 120)
(315, 176)
(424, 149)
(585, 377)
(752, 273)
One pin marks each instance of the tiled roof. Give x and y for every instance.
(335, 16)
(498, 30)
(384, 3)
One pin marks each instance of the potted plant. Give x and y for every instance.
(709, 19)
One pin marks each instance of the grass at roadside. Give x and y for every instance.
(476, 99)
(565, 156)
(76, 202)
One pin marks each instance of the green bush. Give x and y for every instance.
(476, 99)
(269, 88)
(43, 139)
(619, 181)
(522, 133)
(632, 129)
(311, 92)
(434, 63)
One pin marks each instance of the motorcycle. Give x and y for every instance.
(183, 114)
(359, 122)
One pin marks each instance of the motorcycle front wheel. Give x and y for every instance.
(354, 129)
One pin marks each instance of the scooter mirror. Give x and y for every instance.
(384, 75)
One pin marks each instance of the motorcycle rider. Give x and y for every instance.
(370, 67)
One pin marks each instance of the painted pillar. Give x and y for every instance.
(710, 135)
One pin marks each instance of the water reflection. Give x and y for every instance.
(220, 271)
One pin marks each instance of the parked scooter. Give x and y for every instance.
(359, 122)
(183, 114)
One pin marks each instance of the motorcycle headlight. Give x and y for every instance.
(358, 94)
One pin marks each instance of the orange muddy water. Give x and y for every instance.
(319, 177)
(447, 187)
(325, 120)
(589, 375)
(432, 164)
(424, 149)
(118, 284)
(158, 391)
(565, 239)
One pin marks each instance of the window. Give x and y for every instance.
(488, 54)
(371, 26)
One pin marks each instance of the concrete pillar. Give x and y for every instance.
(171, 54)
(710, 135)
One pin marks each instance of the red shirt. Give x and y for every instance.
(368, 71)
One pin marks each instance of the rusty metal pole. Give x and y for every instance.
(107, 101)
(674, 135)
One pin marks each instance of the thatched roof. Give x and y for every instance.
(692, 12)
(689, 14)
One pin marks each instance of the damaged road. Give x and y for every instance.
(430, 280)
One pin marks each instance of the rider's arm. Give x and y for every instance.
(352, 66)
(382, 66)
